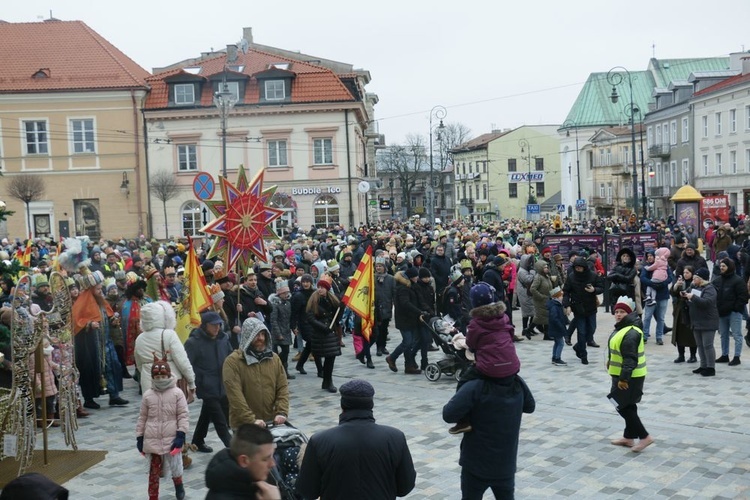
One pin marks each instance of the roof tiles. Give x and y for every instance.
(74, 57)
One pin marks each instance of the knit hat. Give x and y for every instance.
(703, 273)
(306, 277)
(357, 394)
(411, 272)
(207, 265)
(332, 265)
(546, 249)
(282, 286)
(499, 260)
(424, 273)
(482, 294)
(216, 292)
(581, 262)
(401, 255)
(324, 282)
(625, 303)
(555, 291)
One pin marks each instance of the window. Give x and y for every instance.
(685, 171)
(232, 87)
(191, 218)
(511, 164)
(187, 157)
(610, 191)
(83, 135)
(717, 126)
(36, 137)
(512, 190)
(602, 190)
(673, 132)
(673, 173)
(657, 169)
(323, 151)
(704, 123)
(184, 93)
(464, 191)
(275, 90)
(413, 202)
(658, 135)
(732, 121)
(464, 167)
(327, 211)
(476, 191)
(484, 167)
(685, 130)
(277, 154)
(718, 163)
(484, 191)
(470, 167)
(747, 160)
(649, 136)
(747, 117)
(704, 162)
(539, 164)
(540, 189)
(733, 162)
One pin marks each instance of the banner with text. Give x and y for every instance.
(564, 244)
(516, 177)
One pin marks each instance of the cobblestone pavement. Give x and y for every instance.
(701, 427)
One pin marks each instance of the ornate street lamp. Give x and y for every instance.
(224, 100)
(615, 77)
(439, 112)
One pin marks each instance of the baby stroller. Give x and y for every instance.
(454, 362)
(290, 443)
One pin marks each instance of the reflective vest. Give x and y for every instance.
(615, 356)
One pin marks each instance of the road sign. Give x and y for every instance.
(581, 205)
(385, 204)
(561, 209)
(204, 186)
(533, 209)
(373, 203)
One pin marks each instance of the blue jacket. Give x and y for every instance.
(557, 319)
(207, 356)
(662, 289)
(494, 408)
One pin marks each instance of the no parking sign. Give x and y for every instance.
(204, 186)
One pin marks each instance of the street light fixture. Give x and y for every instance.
(525, 145)
(615, 77)
(224, 100)
(569, 123)
(439, 112)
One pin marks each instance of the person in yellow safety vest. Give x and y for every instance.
(626, 364)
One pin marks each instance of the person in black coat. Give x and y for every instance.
(579, 295)
(252, 300)
(299, 324)
(385, 291)
(489, 452)
(731, 300)
(622, 276)
(207, 347)
(440, 267)
(321, 311)
(424, 290)
(358, 458)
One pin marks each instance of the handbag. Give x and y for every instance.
(182, 383)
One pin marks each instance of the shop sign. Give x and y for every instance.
(315, 191)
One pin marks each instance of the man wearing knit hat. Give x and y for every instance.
(626, 364)
(357, 444)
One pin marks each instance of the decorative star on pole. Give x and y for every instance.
(242, 222)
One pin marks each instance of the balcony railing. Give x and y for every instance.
(612, 160)
(662, 191)
(658, 151)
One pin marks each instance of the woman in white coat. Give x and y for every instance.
(158, 322)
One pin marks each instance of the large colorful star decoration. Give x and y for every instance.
(243, 219)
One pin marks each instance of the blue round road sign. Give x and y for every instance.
(204, 186)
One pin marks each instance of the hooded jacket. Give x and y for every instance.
(731, 291)
(163, 413)
(281, 319)
(490, 337)
(581, 302)
(407, 311)
(158, 322)
(540, 288)
(226, 480)
(256, 383)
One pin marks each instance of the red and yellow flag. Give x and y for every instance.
(195, 296)
(24, 257)
(360, 295)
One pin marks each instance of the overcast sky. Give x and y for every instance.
(494, 62)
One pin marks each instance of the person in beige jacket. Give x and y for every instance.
(255, 379)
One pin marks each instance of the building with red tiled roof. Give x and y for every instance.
(310, 127)
(71, 116)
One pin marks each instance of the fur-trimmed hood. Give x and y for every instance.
(488, 311)
(401, 279)
(158, 315)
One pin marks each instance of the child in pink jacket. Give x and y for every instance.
(161, 428)
(47, 370)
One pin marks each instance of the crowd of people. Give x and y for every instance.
(265, 324)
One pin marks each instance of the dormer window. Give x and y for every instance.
(275, 90)
(184, 94)
(42, 73)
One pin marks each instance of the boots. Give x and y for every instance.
(708, 372)
(179, 488)
(735, 361)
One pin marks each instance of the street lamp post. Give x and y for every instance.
(224, 100)
(439, 112)
(568, 123)
(615, 77)
(525, 145)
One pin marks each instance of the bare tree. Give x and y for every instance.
(450, 137)
(26, 188)
(405, 164)
(164, 187)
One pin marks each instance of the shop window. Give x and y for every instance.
(326, 209)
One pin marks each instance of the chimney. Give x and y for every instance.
(736, 60)
(746, 65)
(247, 34)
